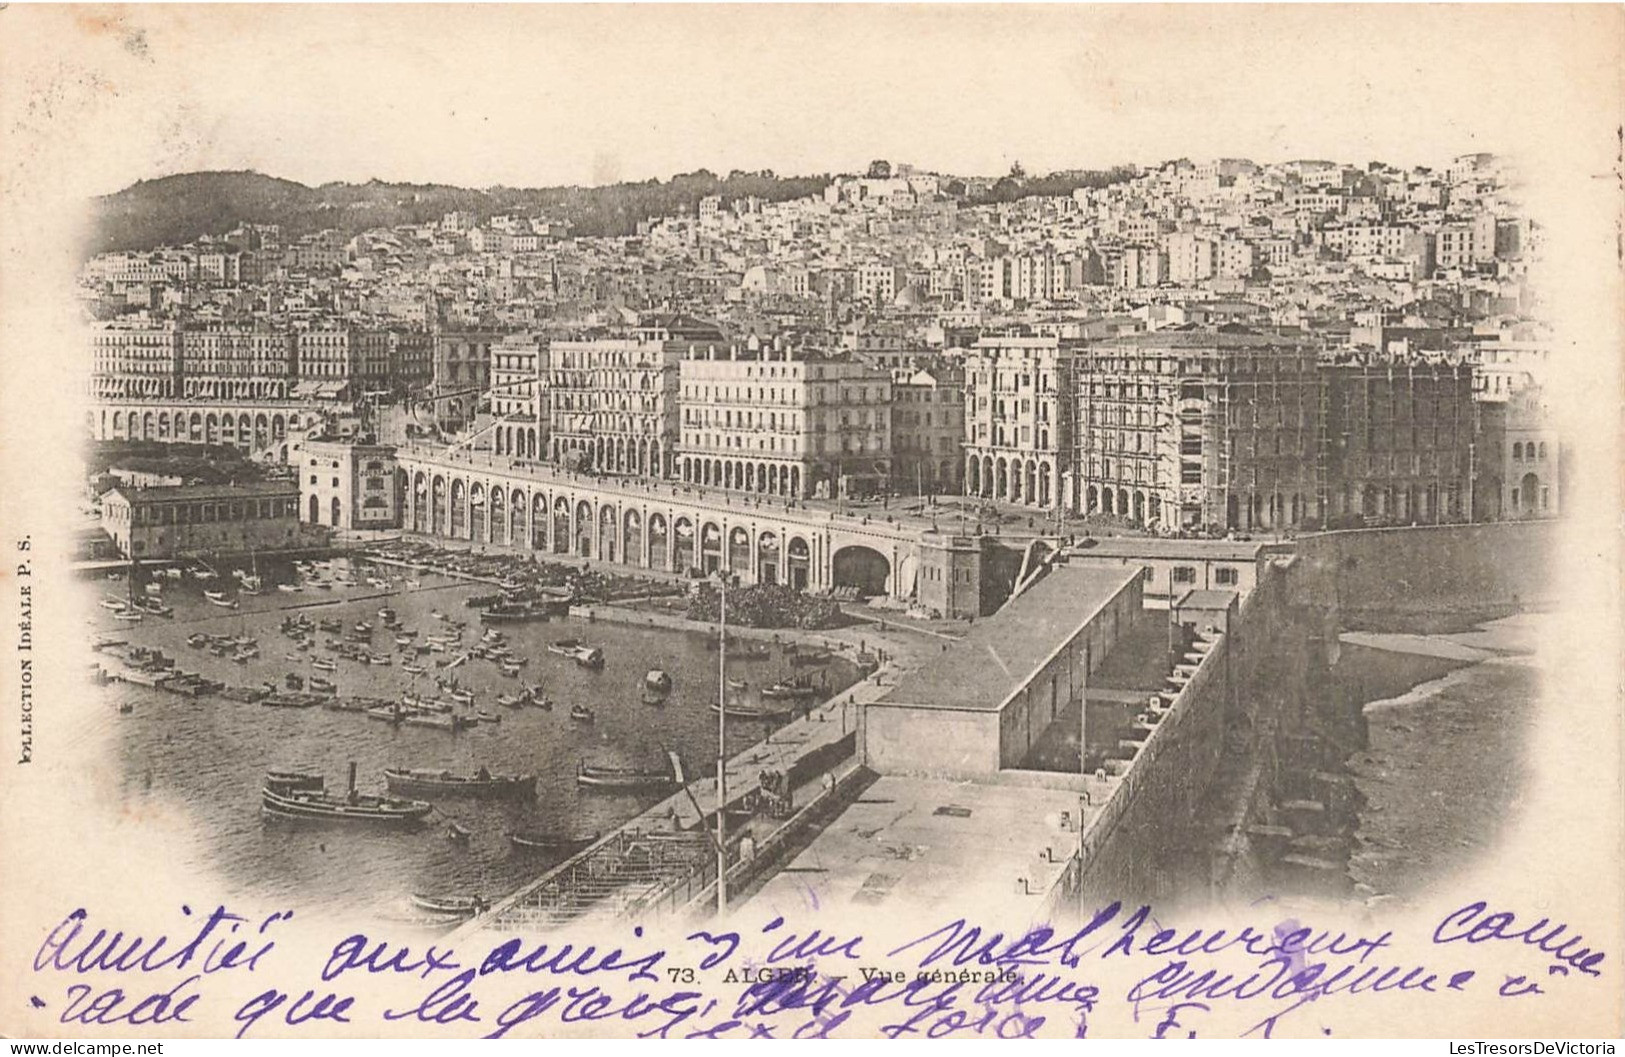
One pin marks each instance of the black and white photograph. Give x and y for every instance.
(855, 521)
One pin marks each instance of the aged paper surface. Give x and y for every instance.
(1361, 770)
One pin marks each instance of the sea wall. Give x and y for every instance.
(1435, 568)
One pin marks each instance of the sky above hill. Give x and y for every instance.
(486, 94)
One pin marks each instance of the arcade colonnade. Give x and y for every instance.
(245, 428)
(641, 530)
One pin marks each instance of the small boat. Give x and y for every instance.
(197, 640)
(738, 685)
(387, 713)
(657, 680)
(510, 668)
(436, 614)
(736, 710)
(458, 833)
(322, 664)
(154, 607)
(323, 686)
(436, 722)
(128, 615)
(554, 842)
(290, 588)
(363, 628)
(218, 598)
(291, 699)
(115, 604)
(383, 660)
(542, 701)
(482, 784)
(594, 776)
(487, 717)
(578, 651)
(450, 906)
(413, 585)
(403, 640)
(303, 796)
(581, 713)
(461, 696)
(331, 625)
(413, 669)
(797, 689)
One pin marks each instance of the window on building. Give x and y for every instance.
(1184, 574)
(1225, 576)
(1542, 453)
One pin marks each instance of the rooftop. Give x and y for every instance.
(1003, 651)
(1205, 599)
(1164, 548)
(926, 842)
(236, 490)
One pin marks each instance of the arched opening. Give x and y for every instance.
(338, 511)
(767, 558)
(632, 539)
(437, 509)
(518, 507)
(710, 548)
(584, 527)
(683, 550)
(499, 517)
(1091, 499)
(863, 568)
(459, 509)
(739, 551)
(315, 517)
(1001, 482)
(798, 563)
(1528, 502)
(538, 522)
(477, 513)
(561, 526)
(606, 534)
(659, 541)
(420, 502)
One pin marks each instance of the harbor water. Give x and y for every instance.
(207, 756)
(1448, 718)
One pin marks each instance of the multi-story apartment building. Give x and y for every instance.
(612, 402)
(411, 360)
(1190, 258)
(460, 371)
(1187, 428)
(1018, 400)
(1397, 442)
(327, 354)
(784, 422)
(518, 396)
(928, 429)
(359, 357)
(141, 362)
(236, 363)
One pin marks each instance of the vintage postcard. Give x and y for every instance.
(767, 521)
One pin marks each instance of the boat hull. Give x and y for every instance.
(368, 811)
(497, 788)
